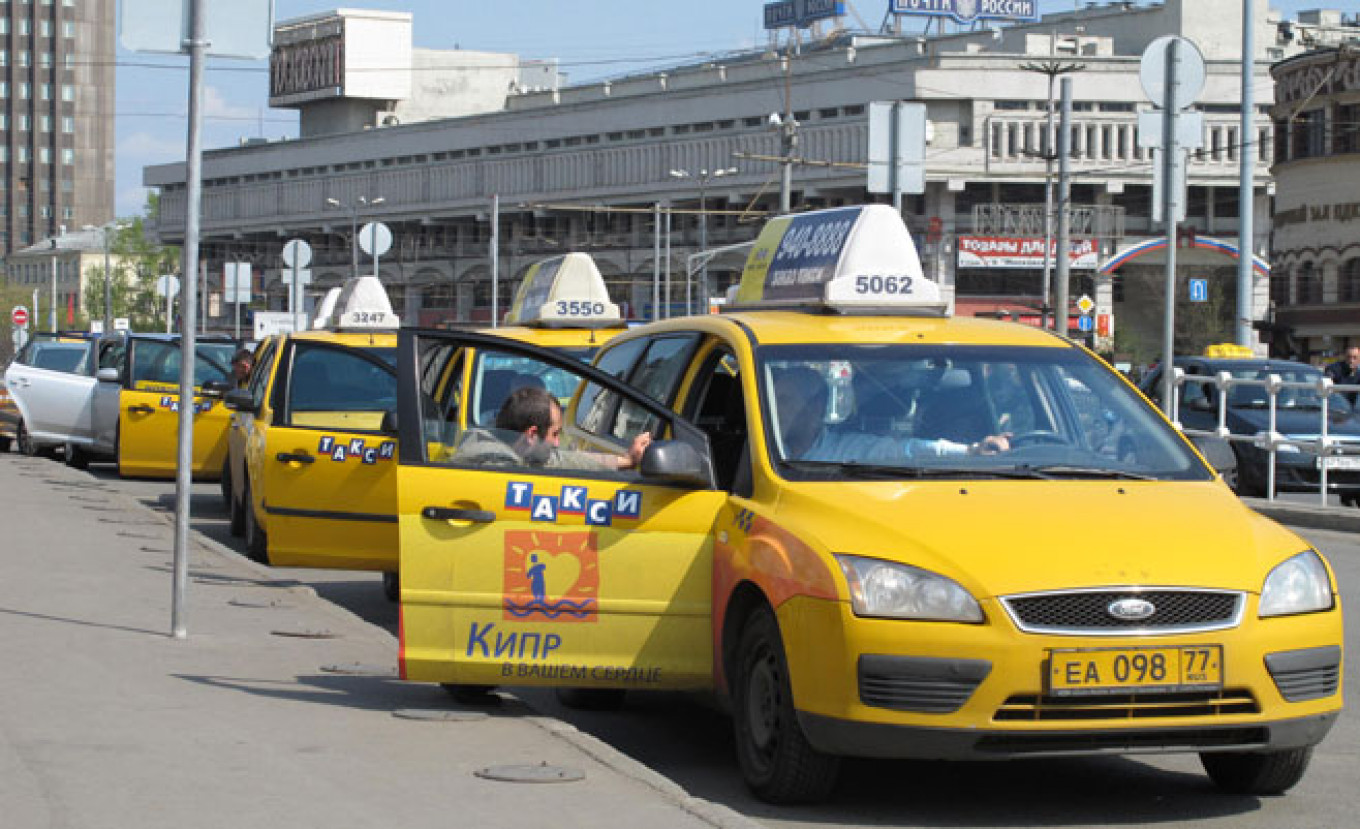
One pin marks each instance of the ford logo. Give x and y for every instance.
(1131, 610)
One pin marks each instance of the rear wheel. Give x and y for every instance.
(77, 457)
(30, 447)
(4, 444)
(1257, 772)
(225, 482)
(237, 523)
(257, 543)
(392, 586)
(777, 761)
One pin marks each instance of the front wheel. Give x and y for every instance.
(777, 762)
(1257, 772)
(225, 482)
(257, 543)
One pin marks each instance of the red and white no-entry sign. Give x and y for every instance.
(19, 316)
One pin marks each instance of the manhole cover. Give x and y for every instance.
(355, 669)
(542, 773)
(303, 633)
(438, 715)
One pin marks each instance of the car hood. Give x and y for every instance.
(1003, 537)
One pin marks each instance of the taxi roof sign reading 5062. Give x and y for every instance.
(564, 292)
(847, 258)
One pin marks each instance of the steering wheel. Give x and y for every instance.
(1037, 437)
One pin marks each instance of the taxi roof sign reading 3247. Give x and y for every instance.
(362, 305)
(845, 259)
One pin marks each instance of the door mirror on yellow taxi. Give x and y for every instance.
(215, 388)
(240, 400)
(108, 375)
(674, 462)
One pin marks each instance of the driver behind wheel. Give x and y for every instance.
(800, 397)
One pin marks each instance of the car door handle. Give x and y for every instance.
(477, 516)
(140, 410)
(291, 457)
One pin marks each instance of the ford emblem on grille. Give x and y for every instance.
(1132, 610)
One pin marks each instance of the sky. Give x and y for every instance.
(594, 39)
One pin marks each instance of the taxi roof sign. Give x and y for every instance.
(846, 258)
(362, 305)
(564, 292)
(325, 308)
(1228, 350)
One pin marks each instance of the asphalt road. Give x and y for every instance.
(688, 739)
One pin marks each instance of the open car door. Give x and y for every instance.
(148, 420)
(327, 473)
(523, 572)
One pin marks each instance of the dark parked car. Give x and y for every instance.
(1298, 416)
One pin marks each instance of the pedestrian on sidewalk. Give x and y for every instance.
(1346, 371)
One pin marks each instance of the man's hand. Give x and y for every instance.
(992, 444)
(640, 444)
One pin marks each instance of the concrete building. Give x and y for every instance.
(56, 117)
(62, 270)
(583, 168)
(1315, 285)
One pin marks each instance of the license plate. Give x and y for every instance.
(1119, 670)
(1341, 462)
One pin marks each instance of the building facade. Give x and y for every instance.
(620, 168)
(1315, 285)
(61, 272)
(56, 117)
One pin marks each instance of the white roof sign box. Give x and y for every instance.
(564, 292)
(363, 305)
(846, 258)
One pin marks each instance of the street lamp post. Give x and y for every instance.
(361, 201)
(703, 177)
(104, 231)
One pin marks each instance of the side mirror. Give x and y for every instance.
(108, 375)
(240, 400)
(675, 462)
(1218, 452)
(215, 388)
(389, 422)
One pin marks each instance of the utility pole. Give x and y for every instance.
(1246, 157)
(1054, 69)
(788, 139)
(1060, 309)
(495, 261)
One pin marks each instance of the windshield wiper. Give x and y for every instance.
(889, 471)
(1070, 471)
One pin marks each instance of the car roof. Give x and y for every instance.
(796, 327)
(1230, 363)
(375, 338)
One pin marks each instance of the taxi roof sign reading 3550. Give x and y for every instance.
(564, 292)
(362, 305)
(844, 259)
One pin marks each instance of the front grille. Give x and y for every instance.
(1036, 708)
(1086, 613)
(1124, 741)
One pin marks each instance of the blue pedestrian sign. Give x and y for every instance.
(1199, 290)
(1085, 324)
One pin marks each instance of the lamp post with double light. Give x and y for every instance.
(703, 177)
(353, 208)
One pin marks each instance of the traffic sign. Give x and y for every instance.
(1085, 304)
(1188, 76)
(1085, 324)
(375, 238)
(297, 253)
(19, 316)
(167, 286)
(1199, 290)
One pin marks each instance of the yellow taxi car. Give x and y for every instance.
(877, 530)
(309, 471)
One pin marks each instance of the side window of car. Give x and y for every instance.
(596, 408)
(717, 407)
(656, 375)
(333, 387)
(259, 378)
(112, 354)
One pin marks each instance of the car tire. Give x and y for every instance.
(1259, 773)
(777, 762)
(4, 444)
(25, 440)
(77, 457)
(225, 483)
(391, 585)
(257, 543)
(471, 694)
(592, 699)
(236, 523)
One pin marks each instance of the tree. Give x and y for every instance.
(138, 263)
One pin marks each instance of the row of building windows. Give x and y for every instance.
(24, 59)
(24, 123)
(45, 27)
(1318, 133)
(1305, 286)
(67, 269)
(46, 211)
(44, 155)
(45, 90)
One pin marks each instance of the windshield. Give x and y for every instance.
(158, 361)
(838, 411)
(1255, 397)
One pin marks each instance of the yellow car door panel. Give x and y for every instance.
(546, 575)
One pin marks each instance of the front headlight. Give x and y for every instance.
(899, 591)
(1298, 585)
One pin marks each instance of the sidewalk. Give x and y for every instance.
(107, 721)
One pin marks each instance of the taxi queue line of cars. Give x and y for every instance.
(843, 527)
